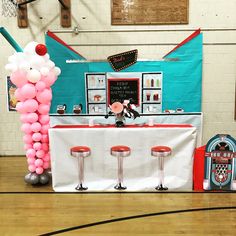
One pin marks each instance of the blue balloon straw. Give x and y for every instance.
(8, 37)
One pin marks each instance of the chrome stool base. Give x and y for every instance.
(120, 187)
(161, 187)
(81, 188)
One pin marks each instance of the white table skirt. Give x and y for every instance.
(140, 168)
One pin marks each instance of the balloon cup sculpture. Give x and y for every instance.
(121, 111)
(34, 73)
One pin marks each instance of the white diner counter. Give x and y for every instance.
(140, 168)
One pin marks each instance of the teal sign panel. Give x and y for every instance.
(182, 75)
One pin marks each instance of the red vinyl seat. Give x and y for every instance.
(120, 150)
(80, 151)
(159, 151)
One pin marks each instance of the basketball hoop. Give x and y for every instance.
(9, 8)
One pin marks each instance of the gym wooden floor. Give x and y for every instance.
(31, 210)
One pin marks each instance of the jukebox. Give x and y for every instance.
(220, 163)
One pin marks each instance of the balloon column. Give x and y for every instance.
(34, 73)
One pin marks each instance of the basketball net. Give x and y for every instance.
(9, 8)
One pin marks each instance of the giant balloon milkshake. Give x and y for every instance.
(34, 73)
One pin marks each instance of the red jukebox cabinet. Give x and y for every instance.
(220, 163)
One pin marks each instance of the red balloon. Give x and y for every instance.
(41, 49)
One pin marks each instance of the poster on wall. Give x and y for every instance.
(152, 92)
(124, 86)
(122, 89)
(123, 60)
(11, 99)
(96, 93)
(144, 88)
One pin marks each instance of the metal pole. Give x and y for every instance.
(141, 44)
(76, 30)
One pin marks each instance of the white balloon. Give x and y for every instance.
(12, 58)
(44, 71)
(30, 48)
(20, 57)
(46, 57)
(36, 61)
(33, 76)
(50, 64)
(11, 67)
(8, 67)
(24, 66)
(57, 71)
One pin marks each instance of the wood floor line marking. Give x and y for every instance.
(136, 217)
(127, 192)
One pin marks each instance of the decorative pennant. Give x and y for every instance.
(123, 60)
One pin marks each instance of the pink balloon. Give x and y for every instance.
(23, 118)
(44, 129)
(43, 109)
(32, 117)
(19, 78)
(46, 157)
(35, 127)
(19, 95)
(20, 107)
(37, 137)
(32, 168)
(45, 147)
(44, 96)
(44, 119)
(31, 161)
(38, 162)
(40, 153)
(27, 146)
(30, 105)
(39, 170)
(27, 139)
(45, 138)
(46, 165)
(28, 91)
(30, 153)
(37, 146)
(49, 79)
(40, 85)
(26, 128)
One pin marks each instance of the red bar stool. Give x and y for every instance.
(161, 152)
(80, 152)
(120, 152)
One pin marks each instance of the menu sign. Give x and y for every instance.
(123, 60)
(122, 89)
